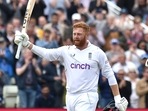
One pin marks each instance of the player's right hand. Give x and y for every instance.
(21, 37)
(122, 104)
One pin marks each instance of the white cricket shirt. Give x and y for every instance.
(82, 67)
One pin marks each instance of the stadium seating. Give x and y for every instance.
(10, 96)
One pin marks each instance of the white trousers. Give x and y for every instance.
(82, 101)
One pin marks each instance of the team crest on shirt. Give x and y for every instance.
(89, 55)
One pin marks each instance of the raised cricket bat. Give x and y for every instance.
(29, 8)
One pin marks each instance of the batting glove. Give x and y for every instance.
(121, 103)
(21, 37)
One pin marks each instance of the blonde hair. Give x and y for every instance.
(82, 25)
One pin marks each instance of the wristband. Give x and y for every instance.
(27, 44)
(117, 98)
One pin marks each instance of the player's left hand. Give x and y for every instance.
(121, 104)
(21, 37)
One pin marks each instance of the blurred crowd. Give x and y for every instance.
(42, 83)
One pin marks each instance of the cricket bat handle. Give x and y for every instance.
(19, 48)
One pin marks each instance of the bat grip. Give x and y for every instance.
(18, 50)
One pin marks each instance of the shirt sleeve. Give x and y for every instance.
(49, 54)
(106, 69)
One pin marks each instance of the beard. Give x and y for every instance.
(79, 43)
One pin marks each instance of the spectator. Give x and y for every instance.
(39, 8)
(2, 25)
(4, 80)
(98, 4)
(126, 4)
(27, 71)
(6, 11)
(76, 17)
(67, 41)
(45, 40)
(133, 78)
(33, 23)
(125, 86)
(99, 19)
(42, 21)
(141, 9)
(127, 35)
(142, 45)
(146, 20)
(86, 4)
(54, 40)
(54, 4)
(6, 59)
(85, 18)
(81, 9)
(9, 37)
(123, 21)
(96, 37)
(16, 22)
(56, 77)
(110, 31)
(55, 24)
(21, 9)
(114, 51)
(137, 32)
(142, 89)
(146, 39)
(62, 16)
(31, 32)
(143, 59)
(45, 76)
(74, 4)
(123, 63)
(134, 53)
(52, 74)
(13, 6)
(45, 99)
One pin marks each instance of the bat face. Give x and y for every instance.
(30, 6)
(28, 13)
(26, 18)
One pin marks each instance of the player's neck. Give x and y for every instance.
(83, 47)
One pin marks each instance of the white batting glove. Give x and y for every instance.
(121, 103)
(21, 37)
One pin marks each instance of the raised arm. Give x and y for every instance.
(49, 54)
